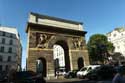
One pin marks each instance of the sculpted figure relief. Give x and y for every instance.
(43, 40)
(78, 42)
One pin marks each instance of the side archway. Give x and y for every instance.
(80, 62)
(41, 66)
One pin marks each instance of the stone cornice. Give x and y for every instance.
(54, 18)
(54, 29)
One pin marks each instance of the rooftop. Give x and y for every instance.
(45, 20)
(55, 18)
(118, 29)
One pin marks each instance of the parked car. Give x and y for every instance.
(3, 76)
(70, 74)
(27, 77)
(3, 79)
(60, 72)
(85, 70)
(104, 72)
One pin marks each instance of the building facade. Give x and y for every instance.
(55, 43)
(117, 37)
(10, 49)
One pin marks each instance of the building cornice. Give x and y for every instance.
(55, 29)
(55, 18)
(54, 22)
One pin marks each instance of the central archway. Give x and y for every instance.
(61, 56)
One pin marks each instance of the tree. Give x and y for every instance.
(110, 47)
(98, 47)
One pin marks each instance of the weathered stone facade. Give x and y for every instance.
(41, 39)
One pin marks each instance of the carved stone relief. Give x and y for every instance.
(43, 40)
(78, 42)
(32, 35)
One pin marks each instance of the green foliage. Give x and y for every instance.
(110, 47)
(98, 47)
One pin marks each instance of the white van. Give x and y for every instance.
(85, 70)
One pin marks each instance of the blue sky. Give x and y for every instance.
(98, 16)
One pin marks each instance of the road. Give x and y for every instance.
(76, 81)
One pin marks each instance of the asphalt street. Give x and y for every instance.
(77, 81)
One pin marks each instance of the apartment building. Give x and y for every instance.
(117, 37)
(10, 49)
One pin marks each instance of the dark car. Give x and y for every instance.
(27, 77)
(3, 76)
(70, 74)
(104, 72)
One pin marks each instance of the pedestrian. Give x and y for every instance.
(57, 74)
(116, 66)
(11, 75)
(120, 76)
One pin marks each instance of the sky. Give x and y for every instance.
(98, 16)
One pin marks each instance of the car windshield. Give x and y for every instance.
(95, 70)
(83, 69)
(89, 69)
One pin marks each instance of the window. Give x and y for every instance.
(7, 67)
(3, 40)
(114, 35)
(11, 42)
(18, 34)
(0, 67)
(1, 58)
(9, 58)
(10, 50)
(109, 39)
(11, 35)
(122, 34)
(2, 49)
(3, 33)
(118, 47)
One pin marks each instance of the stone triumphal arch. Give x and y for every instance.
(44, 34)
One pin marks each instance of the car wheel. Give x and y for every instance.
(93, 78)
(70, 76)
